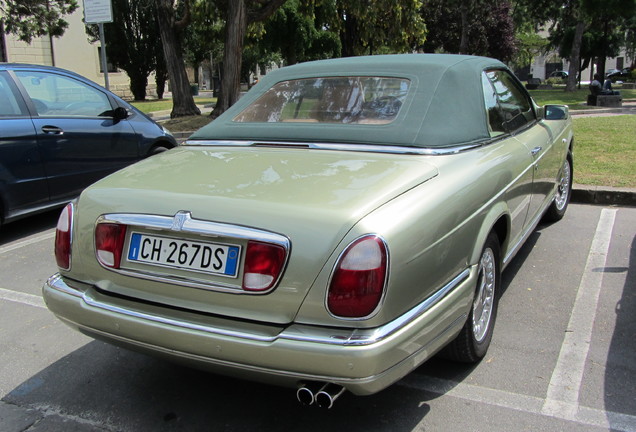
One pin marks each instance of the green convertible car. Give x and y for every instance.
(342, 223)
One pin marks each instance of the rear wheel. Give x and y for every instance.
(158, 149)
(559, 204)
(474, 339)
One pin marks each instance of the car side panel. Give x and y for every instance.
(81, 151)
(22, 178)
(437, 230)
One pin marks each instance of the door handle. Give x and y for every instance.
(52, 130)
(536, 150)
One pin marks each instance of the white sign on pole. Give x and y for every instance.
(98, 11)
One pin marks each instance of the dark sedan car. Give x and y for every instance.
(60, 132)
(619, 75)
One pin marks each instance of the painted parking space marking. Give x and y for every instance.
(13, 246)
(565, 384)
(519, 402)
(23, 298)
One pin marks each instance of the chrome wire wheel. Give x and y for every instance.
(485, 295)
(563, 190)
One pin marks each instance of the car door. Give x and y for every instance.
(79, 138)
(22, 178)
(520, 162)
(519, 119)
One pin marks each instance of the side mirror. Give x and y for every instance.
(120, 113)
(556, 112)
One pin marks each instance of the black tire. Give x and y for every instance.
(473, 341)
(559, 205)
(157, 150)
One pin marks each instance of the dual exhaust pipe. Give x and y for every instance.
(322, 394)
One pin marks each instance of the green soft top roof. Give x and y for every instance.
(444, 105)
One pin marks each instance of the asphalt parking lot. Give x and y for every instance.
(563, 356)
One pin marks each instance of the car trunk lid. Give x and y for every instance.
(312, 198)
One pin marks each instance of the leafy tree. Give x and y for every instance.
(204, 36)
(375, 26)
(173, 17)
(239, 14)
(475, 27)
(294, 32)
(131, 42)
(28, 19)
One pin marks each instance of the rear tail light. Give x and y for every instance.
(109, 243)
(63, 234)
(263, 265)
(358, 279)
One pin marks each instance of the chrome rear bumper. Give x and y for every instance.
(362, 360)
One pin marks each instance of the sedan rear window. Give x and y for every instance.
(346, 100)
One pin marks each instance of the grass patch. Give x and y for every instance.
(166, 104)
(187, 124)
(605, 151)
(576, 100)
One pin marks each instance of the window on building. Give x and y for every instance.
(111, 68)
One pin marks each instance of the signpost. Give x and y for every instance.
(100, 12)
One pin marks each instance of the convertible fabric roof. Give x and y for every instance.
(444, 106)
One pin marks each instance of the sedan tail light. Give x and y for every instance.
(358, 280)
(263, 265)
(63, 233)
(109, 243)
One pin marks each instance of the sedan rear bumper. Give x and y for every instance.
(364, 361)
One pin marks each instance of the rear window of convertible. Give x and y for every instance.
(347, 100)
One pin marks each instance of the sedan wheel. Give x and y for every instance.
(485, 296)
(559, 205)
(474, 339)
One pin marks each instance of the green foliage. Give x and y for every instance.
(28, 19)
(203, 38)
(478, 27)
(370, 26)
(133, 42)
(529, 45)
(293, 32)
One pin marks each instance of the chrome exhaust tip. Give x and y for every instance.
(328, 394)
(306, 393)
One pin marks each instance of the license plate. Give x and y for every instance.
(184, 254)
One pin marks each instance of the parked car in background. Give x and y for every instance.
(559, 74)
(619, 75)
(60, 132)
(339, 225)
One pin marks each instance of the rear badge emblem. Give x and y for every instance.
(180, 219)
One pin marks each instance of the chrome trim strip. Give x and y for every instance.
(369, 148)
(296, 332)
(183, 222)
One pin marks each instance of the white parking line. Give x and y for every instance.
(518, 402)
(36, 239)
(563, 391)
(23, 298)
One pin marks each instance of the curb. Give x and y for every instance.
(603, 195)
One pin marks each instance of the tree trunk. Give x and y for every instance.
(183, 102)
(138, 83)
(575, 58)
(235, 28)
(463, 41)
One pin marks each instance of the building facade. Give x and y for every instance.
(72, 51)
